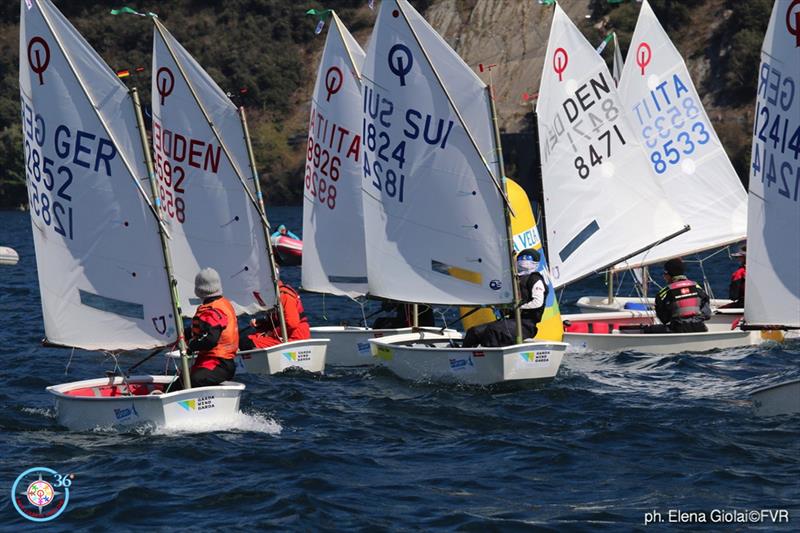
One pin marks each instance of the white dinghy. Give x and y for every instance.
(683, 150)
(334, 258)
(777, 400)
(216, 218)
(604, 304)
(437, 228)
(773, 212)
(602, 202)
(104, 269)
(112, 401)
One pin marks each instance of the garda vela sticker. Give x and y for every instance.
(188, 405)
(298, 357)
(384, 353)
(199, 404)
(537, 358)
(363, 348)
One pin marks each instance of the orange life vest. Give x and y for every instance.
(218, 313)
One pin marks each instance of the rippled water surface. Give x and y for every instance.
(613, 437)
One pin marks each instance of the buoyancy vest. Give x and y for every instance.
(291, 293)
(218, 313)
(685, 299)
(526, 284)
(737, 286)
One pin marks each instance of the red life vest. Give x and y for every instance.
(218, 313)
(685, 299)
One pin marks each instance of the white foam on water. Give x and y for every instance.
(39, 411)
(249, 422)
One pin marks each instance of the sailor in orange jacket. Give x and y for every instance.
(268, 330)
(214, 334)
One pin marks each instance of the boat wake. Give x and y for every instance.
(240, 422)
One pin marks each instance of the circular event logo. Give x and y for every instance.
(41, 494)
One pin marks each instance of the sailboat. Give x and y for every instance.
(684, 152)
(104, 270)
(602, 203)
(437, 230)
(204, 163)
(773, 249)
(333, 220)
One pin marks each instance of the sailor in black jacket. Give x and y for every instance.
(533, 295)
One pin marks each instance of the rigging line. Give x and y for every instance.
(69, 362)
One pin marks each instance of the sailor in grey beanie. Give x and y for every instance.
(207, 284)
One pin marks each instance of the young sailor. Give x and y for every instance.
(736, 288)
(682, 305)
(214, 334)
(283, 232)
(268, 329)
(533, 295)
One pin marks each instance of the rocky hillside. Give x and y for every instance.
(268, 47)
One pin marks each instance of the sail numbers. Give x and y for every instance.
(776, 130)
(50, 164)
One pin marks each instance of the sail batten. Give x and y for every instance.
(201, 154)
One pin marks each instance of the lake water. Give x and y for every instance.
(612, 438)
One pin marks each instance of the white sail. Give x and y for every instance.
(601, 200)
(334, 254)
(773, 237)
(100, 264)
(434, 218)
(684, 151)
(211, 220)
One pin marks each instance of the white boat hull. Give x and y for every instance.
(425, 356)
(662, 343)
(349, 345)
(719, 318)
(83, 405)
(600, 304)
(308, 355)
(780, 399)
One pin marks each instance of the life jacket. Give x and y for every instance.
(218, 313)
(526, 284)
(685, 299)
(291, 293)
